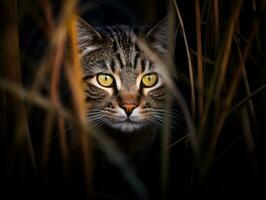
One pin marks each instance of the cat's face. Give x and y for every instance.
(123, 87)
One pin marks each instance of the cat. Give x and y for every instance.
(123, 86)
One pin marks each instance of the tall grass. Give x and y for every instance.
(224, 51)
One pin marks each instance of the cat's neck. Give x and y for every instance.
(132, 143)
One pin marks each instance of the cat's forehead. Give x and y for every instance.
(122, 34)
(121, 39)
(120, 52)
(117, 46)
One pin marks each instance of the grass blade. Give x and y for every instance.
(191, 76)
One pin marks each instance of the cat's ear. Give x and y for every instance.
(88, 37)
(158, 35)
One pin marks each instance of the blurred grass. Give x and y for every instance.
(224, 51)
(15, 110)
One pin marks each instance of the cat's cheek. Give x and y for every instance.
(98, 101)
(149, 91)
(157, 96)
(96, 105)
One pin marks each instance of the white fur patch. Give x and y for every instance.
(88, 50)
(124, 124)
(118, 81)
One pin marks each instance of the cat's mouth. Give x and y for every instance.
(128, 125)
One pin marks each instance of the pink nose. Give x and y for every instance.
(128, 108)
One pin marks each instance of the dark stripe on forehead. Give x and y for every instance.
(124, 38)
(93, 67)
(110, 31)
(118, 56)
(115, 46)
(121, 37)
(129, 39)
(119, 31)
(135, 61)
(148, 64)
(143, 65)
(114, 35)
(136, 47)
(112, 65)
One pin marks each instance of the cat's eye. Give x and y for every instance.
(149, 80)
(105, 80)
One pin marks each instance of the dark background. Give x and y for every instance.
(234, 169)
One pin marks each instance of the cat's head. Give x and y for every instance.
(123, 87)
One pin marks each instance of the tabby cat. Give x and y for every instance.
(124, 89)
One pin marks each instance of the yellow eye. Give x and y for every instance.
(105, 80)
(149, 80)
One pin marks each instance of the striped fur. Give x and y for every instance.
(114, 50)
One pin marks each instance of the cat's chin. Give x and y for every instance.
(127, 126)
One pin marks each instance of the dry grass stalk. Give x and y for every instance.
(105, 142)
(74, 75)
(12, 71)
(162, 67)
(191, 76)
(221, 67)
(223, 59)
(199, 59)
(231, 93)
(216, 24)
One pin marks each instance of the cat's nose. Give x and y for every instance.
(129, 108)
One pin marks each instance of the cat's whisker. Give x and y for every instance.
(173, 115)
(162, 120)
(98, 122)
(159, 122)
(154, 121)
(93, 112)
(94, 115)
(94, 118)
(163, 114)
(157, 119)
(162, 110)
(162, 123)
